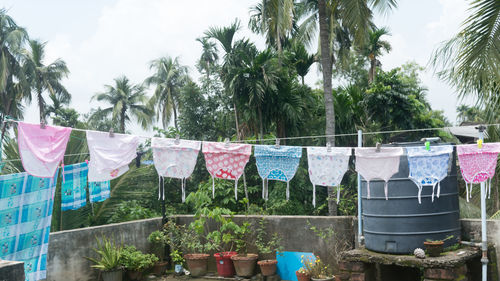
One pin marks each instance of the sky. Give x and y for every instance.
(102, 40)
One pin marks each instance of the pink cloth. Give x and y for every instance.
(226, 161)
(42, 150)
(478, 164)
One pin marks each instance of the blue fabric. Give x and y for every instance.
(25, 216)
(99, 191)
(74, 194)
(289, 262)
(277, 163)
(428, 167)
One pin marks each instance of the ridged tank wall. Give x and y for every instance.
(400, 224)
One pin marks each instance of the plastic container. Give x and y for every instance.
(225, 267)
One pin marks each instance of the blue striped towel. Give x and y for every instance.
(25, 215)
(99, 191)
(74, 194)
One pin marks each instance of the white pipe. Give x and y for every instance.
(484, 242)
(360, 224)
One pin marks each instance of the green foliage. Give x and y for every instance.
(267, 245)
(176, 257)
(158, 240)
(133, 259)
(110, 254)
(131, 210)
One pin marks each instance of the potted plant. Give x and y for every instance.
(158, 240)
(435, 247)
(244, 262)
(268, 249)
(303, 275)
(109, 260)
(177, 260)
(136, 262)
(196, 258)
(317, 269)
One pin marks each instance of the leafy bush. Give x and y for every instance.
(133, 259)
(131, 210)
(110, 255)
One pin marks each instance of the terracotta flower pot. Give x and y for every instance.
(225, 267)
(159, 268)
(134, 275)
(434, 248)
(332, 278)
(302, 276)
(244, 264)
(267, 267)
(197, 264)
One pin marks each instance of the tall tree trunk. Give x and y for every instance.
(302, 80)
(41, 106)
(261, 126)
(122, 120)
(236, 121)
(327, 65)
(371, 73)
(4, 127)
(175, 118)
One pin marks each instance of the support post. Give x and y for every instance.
(484, 239)
(360, 213)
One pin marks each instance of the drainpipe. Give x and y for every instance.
(484, 242)
(361, 238)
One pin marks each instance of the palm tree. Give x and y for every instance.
(209, 55)
(470, 60)
(274, 19)
(373, 49)
(13, 85)
(44, 77)
(336, 18)
(169, 78)
(301, 59)
(127, 100)
(57, 104)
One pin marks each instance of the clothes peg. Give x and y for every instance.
(479, 143)
(42, 124)
(86, 161)
(226, 143)
(378, 147)
(111, 133)
(277, 144)
(428, 145)
(328, 146)
(177, 139)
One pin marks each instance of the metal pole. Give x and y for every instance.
(360, 224)
(163, 212)
(484, 242)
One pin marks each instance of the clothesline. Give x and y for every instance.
(302, 137)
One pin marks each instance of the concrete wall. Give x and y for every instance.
(67, 249)
(471, 230)
(11, 270)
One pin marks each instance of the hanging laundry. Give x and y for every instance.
(327, 168)
(110, 156)
(175, 159)
(428, 167)
(226, 161)
(42, 150)
(478, 164)
(73, 188)
(277, 163)
(372, 164)
(25, 215)
(99, 191)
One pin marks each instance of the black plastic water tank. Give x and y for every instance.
(401, 224)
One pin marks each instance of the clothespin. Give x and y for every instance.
(378, 147)
(328, 146)
(277, 143)
(86, 161)
(226, 143)
(111, 133)
(428, 145)
(42, 124)
(177, 139)
(480, 143)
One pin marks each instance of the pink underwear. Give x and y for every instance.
(478, 164)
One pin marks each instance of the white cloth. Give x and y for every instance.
(175, 160)
(110, 156)
(327, 168)
(383, 164)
